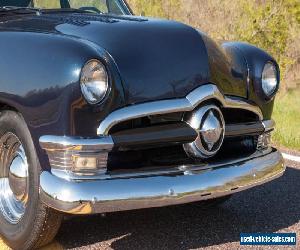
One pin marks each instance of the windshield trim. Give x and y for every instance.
(126, 7)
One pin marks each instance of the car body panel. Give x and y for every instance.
(42, 84)
(143, 49)
(147, 60)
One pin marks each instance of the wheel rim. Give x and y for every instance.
(14, 178)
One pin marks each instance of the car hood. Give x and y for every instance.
(157, 59)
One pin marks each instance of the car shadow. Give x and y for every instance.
(268, 208)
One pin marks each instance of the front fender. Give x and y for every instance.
(39, 77)
(255, 59)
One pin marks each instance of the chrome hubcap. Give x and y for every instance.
(14, 178)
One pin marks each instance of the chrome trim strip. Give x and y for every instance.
(66, 143)
(100, 196)
(189, 103)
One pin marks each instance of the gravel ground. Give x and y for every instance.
(273, 207)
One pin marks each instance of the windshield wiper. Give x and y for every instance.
(19, 10)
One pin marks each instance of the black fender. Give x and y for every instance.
(255, 59)
(39, 77)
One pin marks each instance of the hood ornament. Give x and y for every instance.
(209, 123)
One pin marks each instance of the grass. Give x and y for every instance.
(287, 116)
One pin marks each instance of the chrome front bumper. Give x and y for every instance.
(147, 190)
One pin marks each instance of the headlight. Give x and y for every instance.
(269, 79)
(94, 81)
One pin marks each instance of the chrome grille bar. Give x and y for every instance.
(189, 103)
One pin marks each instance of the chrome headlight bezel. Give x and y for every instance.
(94, 81)
(270, 80)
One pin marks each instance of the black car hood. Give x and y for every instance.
(157, 59)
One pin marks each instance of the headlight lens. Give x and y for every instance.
(94, 81)
(269, 79)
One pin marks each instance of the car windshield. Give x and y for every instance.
(117, 7)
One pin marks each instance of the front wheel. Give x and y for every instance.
(25, 223)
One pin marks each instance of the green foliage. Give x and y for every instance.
(155, 8)
(47, 4)
(293, 7)
(149, 8)
(286, 114)
(100, 4)
(267, 26)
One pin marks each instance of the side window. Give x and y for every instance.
(50, 4)
(18, 3)
(114, 7)
(99, 4)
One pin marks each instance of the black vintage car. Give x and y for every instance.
(104, 111)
